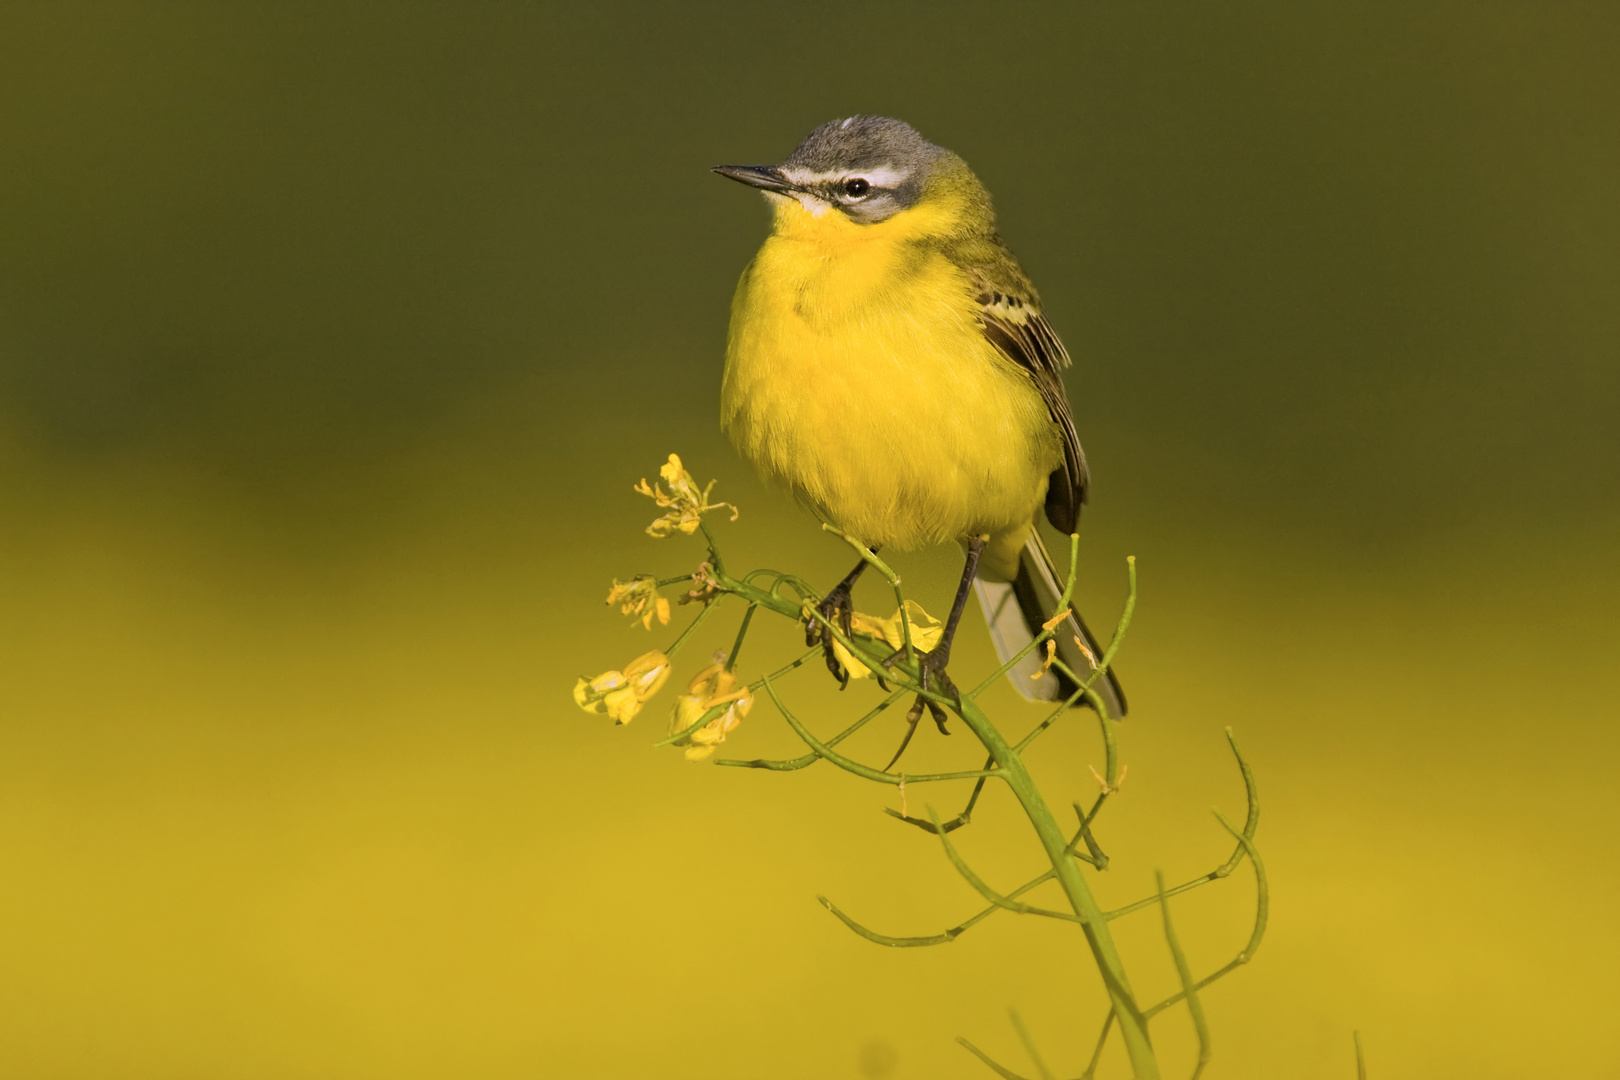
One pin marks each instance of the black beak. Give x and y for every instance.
(764, 177)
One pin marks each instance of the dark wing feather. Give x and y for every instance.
(1018, 330)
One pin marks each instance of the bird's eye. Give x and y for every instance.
(856, 186)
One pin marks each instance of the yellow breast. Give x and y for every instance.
(857, 378)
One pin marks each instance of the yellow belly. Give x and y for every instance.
(859, 380)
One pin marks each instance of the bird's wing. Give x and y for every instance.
(1013, 323)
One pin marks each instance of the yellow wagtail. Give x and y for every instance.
(889, 365)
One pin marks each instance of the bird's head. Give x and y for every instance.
(866, 171)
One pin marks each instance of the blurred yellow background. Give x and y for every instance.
(333, 336)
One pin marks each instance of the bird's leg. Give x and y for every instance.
(931, 664)
(837, 608)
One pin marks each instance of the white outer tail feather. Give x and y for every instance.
(1015, 620)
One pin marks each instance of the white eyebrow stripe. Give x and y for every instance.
(882, 176)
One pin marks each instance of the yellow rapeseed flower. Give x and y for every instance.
(1051, 643)
(620, 694)
(706, 588)
(925, 634)
(639, 599)
(712, 686)
(684, 503)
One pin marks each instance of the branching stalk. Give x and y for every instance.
(1188, 989)
(1041, 638)
(1000, 1070)
(866, 772)
(1029, 1044)
(764, 590)
(978, 883)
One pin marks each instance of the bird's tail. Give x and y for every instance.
(1017, 610)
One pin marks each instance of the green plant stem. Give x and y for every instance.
(872, 660)
(1039, 639)
(1186, 886)
(1108, 724)
(1005, 762)
(779, 579)
(1262, 908)
(718, 709)
(1096, 1055)
(851, 765)
(697, 621)
(1188, 988)
(1245, 838)
(978, 883)
(742, 632)
(954, 932)
(1051, 718)
(792, 764)
(1095, 855)
(999, 1069)
(1132, 1024)
(888, 575)
(964, 818)
(768, 599)
(1029, 1045)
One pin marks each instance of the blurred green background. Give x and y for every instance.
(332, 337)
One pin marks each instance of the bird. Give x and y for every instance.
(889, 364)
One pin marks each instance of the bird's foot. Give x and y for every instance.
(837, 608)
(932, 679)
